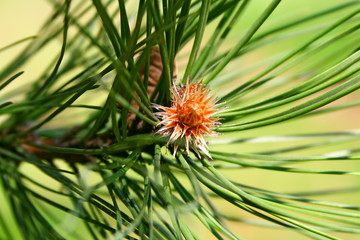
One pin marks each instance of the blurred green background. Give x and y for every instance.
(23, 18)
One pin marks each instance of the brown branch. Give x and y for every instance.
(134, 124)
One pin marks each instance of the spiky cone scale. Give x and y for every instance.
(190, 116)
